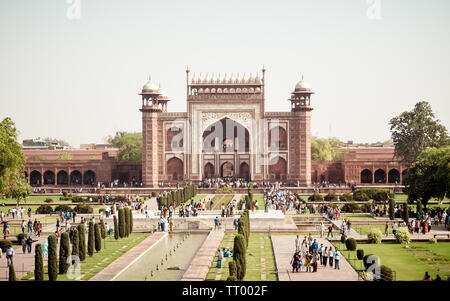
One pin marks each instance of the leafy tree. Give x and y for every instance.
(91, 239)
(98, 238)
(52, 258)
(82, 242)
(129, 145)
(13, 183)
(414, 131)
(38, 263)
(325, 149)
(429, 176)
(116, 229)
(64, 252)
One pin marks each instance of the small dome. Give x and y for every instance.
(162, 95)
(149, 87)
(302, 86)
(257, 80)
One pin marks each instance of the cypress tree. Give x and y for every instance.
(121, 223)
(102, 229)
(391, 209)
(232, 268)
(98, 238)
(405, 213)
(75, 242)
(38, 263)
(82, 242)
(130, 219)
(239, 252)
(116, 229)
(127, 221)
(52, 258)
(91, 239)
(12, 273)
(64, 252)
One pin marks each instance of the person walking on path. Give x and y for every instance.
(330, 231)
(337, 258)
(9, 255)
(236, 224)
(325, 257)
(330, 256)
(394, 228)
(295, 262)
(29, 243)
(216, 223)
(219, 258)
(24, 245)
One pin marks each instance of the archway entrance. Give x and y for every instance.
(49, 178)
(244, 171)
(35, 178)
(175, 168)
(394, 176)
(89, 178)
(278, 168)
(75, 178)
(366, 176)
(62, 178)
(209, 170)
(380, 176)
(226, 170)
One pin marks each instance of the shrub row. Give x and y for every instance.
(177, 197)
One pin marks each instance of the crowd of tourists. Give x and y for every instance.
(15, 213)
(310, 255)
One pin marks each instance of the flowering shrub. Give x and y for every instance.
(402, 236)
(374, 236)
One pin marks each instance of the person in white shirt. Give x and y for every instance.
(9, 255)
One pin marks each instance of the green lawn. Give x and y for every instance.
(218, 200)
(259, 198)
(36, 199)
(366, 229)
(409, 264)
(33, 209)
(357, 217)
(255, 268)
(197, 198)
(93, 265)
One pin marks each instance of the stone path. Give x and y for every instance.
(23, 263)
(338, 224)
(115, 268)
(284, 248)
(199, 266)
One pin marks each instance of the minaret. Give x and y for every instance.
(300, 127)
(153, 103)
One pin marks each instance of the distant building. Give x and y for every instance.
(40, 144)
(95, 146)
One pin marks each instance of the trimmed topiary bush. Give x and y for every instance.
(350, 244)
(130, 230)
(330, 197)
(83, 208)
(38, 263)
(98, 238)
(44, 209)
(64, 253)
(4, 244)
(48, 200)
(315, 198)
(374, 236)
(52, 258)
(91, 238)
(405, 213)
(127, 221)
(21, 236)
(12, 273)
(360, 254)
(82, 242)
(432, 240)
(386, 274)
(346, 197)
(231, 278)
(402, 236)
(343, 238)
(350, 207)
(370, 260)
(63, 208)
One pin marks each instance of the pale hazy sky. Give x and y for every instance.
(78, 80)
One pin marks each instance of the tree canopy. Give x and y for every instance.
(429, 176)
(414, 131)
(12, 163)
(129, 145)
(325, 149)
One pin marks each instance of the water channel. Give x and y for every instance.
(165, 261)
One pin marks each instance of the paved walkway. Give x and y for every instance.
(120, 264)
(23, 263)
(199, 266)
(284, 248)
